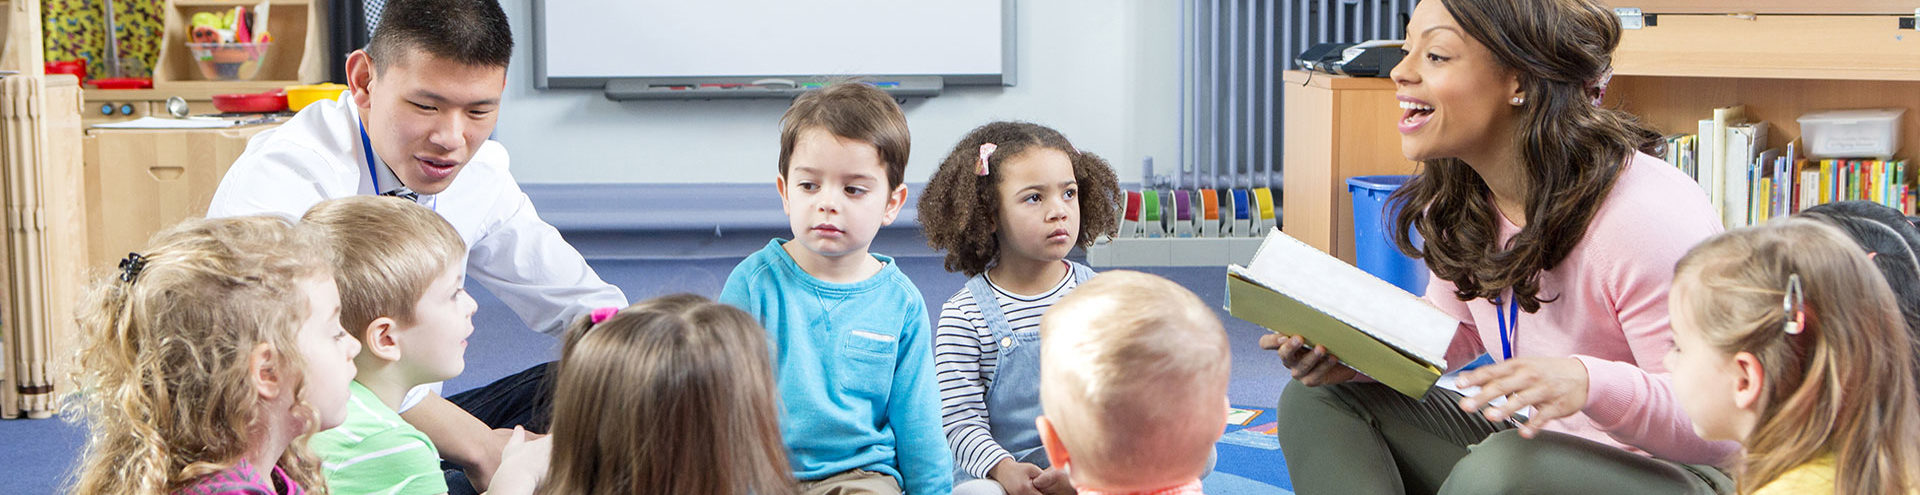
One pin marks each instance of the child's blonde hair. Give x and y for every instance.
(164, 374)
(963, 207)
(671, 395)
(389, 251)
(1134, 380)
(1843, 385)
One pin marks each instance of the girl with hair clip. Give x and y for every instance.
(1007, 205)
(1789, 340)
(207, 361)
(1551, 235)
(670, 395)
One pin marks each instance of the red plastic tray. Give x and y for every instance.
(268, 102)
(124, 83)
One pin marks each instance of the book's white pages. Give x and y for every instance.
(1391, 315)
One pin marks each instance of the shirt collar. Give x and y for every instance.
(383, 180)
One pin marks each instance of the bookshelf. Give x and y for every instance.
(1780, 59)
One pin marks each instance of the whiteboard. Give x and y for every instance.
(584, 43)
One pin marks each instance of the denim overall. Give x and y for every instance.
(1013, 398)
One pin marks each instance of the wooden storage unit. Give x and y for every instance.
(1336, 127)
(1768, 6)
(298, 56)
(1696, 58)
(139, 181)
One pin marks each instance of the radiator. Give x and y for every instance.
(1232, 52)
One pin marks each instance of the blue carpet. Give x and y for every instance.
(36, 455)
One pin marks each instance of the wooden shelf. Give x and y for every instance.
(298, 52)
(191, 90)
(1842, 47)
(1903, 7)
(1676, 104)
(237, 3)
(1328, 81)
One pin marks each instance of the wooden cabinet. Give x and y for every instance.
(1336, 127)
(139, 181)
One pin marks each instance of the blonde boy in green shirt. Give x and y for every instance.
(400, 268)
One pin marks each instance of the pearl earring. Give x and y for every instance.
(1517, 101)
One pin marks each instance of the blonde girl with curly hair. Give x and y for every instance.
(208, 359)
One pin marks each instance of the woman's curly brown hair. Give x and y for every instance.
(1571, 151)
(960, 210)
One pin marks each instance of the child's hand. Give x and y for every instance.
(1016, 477)
(1313, 366)
(523, 464)
(481, 471)
(1554, 387)
(1054, 481)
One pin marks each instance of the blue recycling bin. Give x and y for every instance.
(1373, 251)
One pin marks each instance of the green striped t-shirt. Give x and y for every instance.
(375, 451)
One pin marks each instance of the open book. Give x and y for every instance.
(1373, 326)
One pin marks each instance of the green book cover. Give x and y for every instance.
(1373, 326)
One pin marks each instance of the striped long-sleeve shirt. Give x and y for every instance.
(377, 452)
(966, 356)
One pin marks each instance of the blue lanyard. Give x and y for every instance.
(366, 147)
(373, 177)
(1512, 314)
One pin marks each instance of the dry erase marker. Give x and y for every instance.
(1150, 221)
(1242, 224)
(1167, 215)
(1130, 222)
(1209, 213)
(1183, 213)
(1253, 215)
(1267, 220)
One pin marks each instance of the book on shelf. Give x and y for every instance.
(1779, 186)
(1744, 140)
(1750, 183)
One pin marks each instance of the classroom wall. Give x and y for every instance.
(1103, 72)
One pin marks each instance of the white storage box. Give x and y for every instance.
(1871, 133)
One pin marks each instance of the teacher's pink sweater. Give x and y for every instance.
(1611, 314)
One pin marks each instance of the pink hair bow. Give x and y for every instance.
(601, 314)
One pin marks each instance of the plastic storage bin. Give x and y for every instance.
(1373, 251)
(1872, 133)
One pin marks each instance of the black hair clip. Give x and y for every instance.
(130, 266)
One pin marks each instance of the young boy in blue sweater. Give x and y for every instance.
(852, 347)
